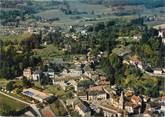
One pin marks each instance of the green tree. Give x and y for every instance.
(115, 61)
(10, 86)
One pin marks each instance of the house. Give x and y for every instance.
(27, 72)
(96, 93)
(82, 109)
(31, 30)
(162, 35)
(137, 37)
(71, 73)
(50, 73)
(36, 95)
(158, 71)
(82, 95)
(109, 110)
(136, 101)
(36, 75)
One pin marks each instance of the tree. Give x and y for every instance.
(10, 86)
(115, 61)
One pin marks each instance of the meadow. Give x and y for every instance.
(13, 105)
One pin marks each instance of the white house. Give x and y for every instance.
(162, 35)
(158, 71)
(97, 95)
(50, 73)
(36, 75)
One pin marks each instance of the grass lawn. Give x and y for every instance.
(49, 51)
(55, 89)
(14, 105)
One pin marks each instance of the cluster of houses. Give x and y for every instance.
(111, 101)
(97, 96)
(36, 75)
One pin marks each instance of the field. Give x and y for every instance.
(13, 105)
(49, 51)
(56, 90)
(100, 13)
(97, 13)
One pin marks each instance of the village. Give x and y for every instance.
(99, 60)
(87, 90)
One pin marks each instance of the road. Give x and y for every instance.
(33, 106)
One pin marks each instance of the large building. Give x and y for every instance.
(36, 95)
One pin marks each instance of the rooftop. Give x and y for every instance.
(83, 107)
(35, 93)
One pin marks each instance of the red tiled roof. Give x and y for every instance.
(135, 100)
(163, 97)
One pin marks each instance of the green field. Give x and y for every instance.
(49, 51)
(11, 104)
